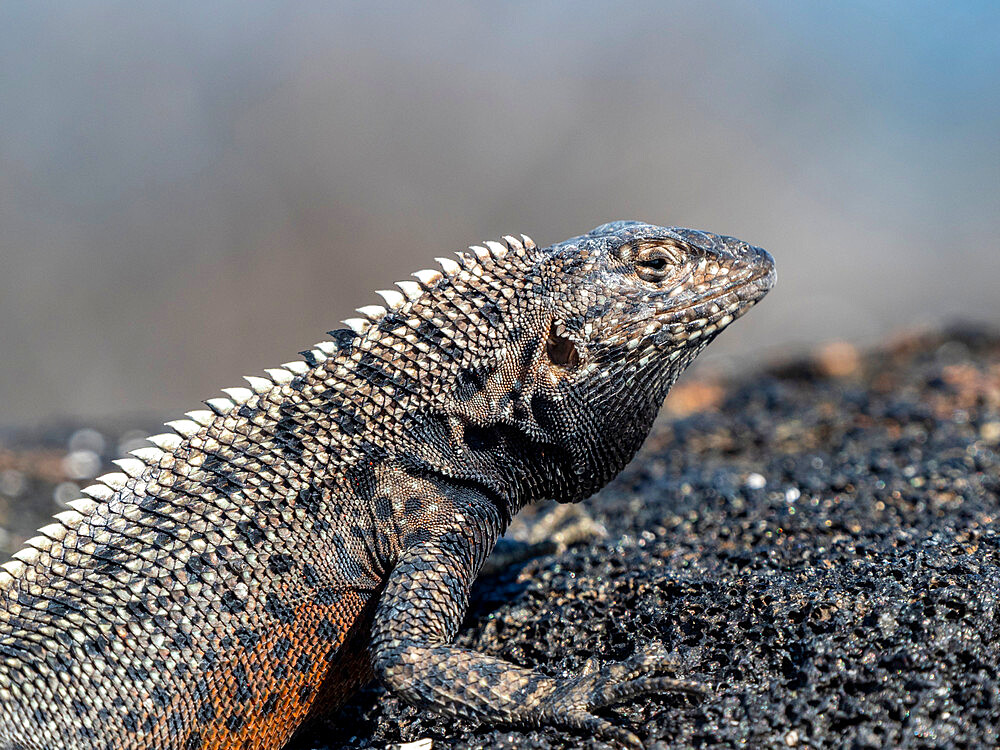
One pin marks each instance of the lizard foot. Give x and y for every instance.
(548, 531)
(571, 703)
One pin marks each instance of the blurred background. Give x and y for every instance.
(189, 192)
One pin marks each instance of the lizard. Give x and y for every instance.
(252, 568)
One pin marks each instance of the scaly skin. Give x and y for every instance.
(257, 565)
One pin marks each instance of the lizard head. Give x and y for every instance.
(631, 305)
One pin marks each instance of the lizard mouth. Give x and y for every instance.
(742, 285)
(745, 293)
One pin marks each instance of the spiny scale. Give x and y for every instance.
(186, 428)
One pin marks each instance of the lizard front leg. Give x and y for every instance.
(418, 616)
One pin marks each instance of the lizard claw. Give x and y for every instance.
(572, 702)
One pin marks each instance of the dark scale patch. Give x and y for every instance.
(136, 672)
(329, 401)
(327, 596)
(244, 691)
(270, 704)
(470, 382)
(95, 646)
(279, 610)
(232, 603)
(202, 689)
(196, 565)
(209, 659)
(414, 505)
(176, 724)
(492, 677)
(250, 531)
(236, 565)
(79, 708)
(375, 453)
(430, 429)
(108, 559)
(286, 435)
(151, 504)
(545, 411)
(359, 534)
(193, 741)
(309, 357)
(247, 412)
(60, 663)
(415, 537)
(343, 338)
(370, 368)
(382, 507)
(223, 477)
(310, 576)
(280, 563)
(17, 651)
(326, 630)
(248, 638)
(304, 664)
(205, 713)
(235, 722)
(60, 607)
(310, 499)
(490, 310)
(597, 310)
(430, 333)
(280, 649)
(130, 721)
(348, 421)
(340, 548)
(481, 438)
(390, 321)
(160, 696)
(305, 692)
(41, 715)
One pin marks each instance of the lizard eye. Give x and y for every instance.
(652, 264)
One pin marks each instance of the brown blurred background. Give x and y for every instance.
(193, 191)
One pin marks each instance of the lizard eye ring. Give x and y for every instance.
(652, 264)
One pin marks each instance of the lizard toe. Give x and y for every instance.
(594, 726)
(612, 694)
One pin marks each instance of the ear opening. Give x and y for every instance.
(561, 350)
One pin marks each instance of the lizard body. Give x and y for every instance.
(277, 550)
